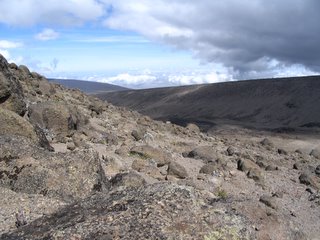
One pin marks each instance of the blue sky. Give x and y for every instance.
(161, 43)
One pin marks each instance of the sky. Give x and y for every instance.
(156, 43)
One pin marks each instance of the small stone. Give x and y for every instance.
(193, 128)
(317, 171)
(268, 201)
(71, 146)
(277, 194)
(309, 180)
(266, 142)
(255, 174)
(209, 168)
(282, 151)
(315, 153)
(137, 134)
(271, 168)
(230, 151)
(297, 166)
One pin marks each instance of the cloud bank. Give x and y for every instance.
(248, 36)
(151, 79)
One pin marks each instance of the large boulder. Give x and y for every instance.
(56, 117)
(12, 124)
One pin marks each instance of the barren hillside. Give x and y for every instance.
(264, 104)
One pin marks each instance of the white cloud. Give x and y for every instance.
(5, 45)
(47, 34)
(130, 79)
(5, 53)
(62, 12)
(9, 44)
(198, 78)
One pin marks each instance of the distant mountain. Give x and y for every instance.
(88, 87)
(268, 104)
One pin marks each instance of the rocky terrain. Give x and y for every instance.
(75, 167)
(284, 104)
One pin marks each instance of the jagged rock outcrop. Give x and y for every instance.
(11, 94)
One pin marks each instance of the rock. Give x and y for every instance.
(71, 146)
(268, 201)
(11, 93)
(13, 66)
(245, 165)
(255, 174)
(5, 87)
(230, 151)
(20, 218)
(308, 179)
(282, 151)
(317, 171)
(156, 211)
(212, 167)
(193, 128)
(58, 118)
(114, 165)
(266, 142)
(97, 106)
(12, 124)
(261, 164)
(43, 141)
(127, 180)
(297, 166)
(209, 168)
(177, 170)
(271, 168)
(123, 151)
(251, 169)
(315, 153)
(112, 139)
(67, 176)
(138, 134)
(206, 153)
(79, 140)
(159, 156)
(46, 88)
(141, 165)
(24, 69)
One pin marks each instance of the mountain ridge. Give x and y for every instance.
(88, 87)
(264, 104)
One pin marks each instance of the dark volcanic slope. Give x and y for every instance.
(268, 103)
(87, 86)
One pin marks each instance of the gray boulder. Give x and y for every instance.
(161, 157)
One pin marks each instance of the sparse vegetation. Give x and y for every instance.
(221, 193)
